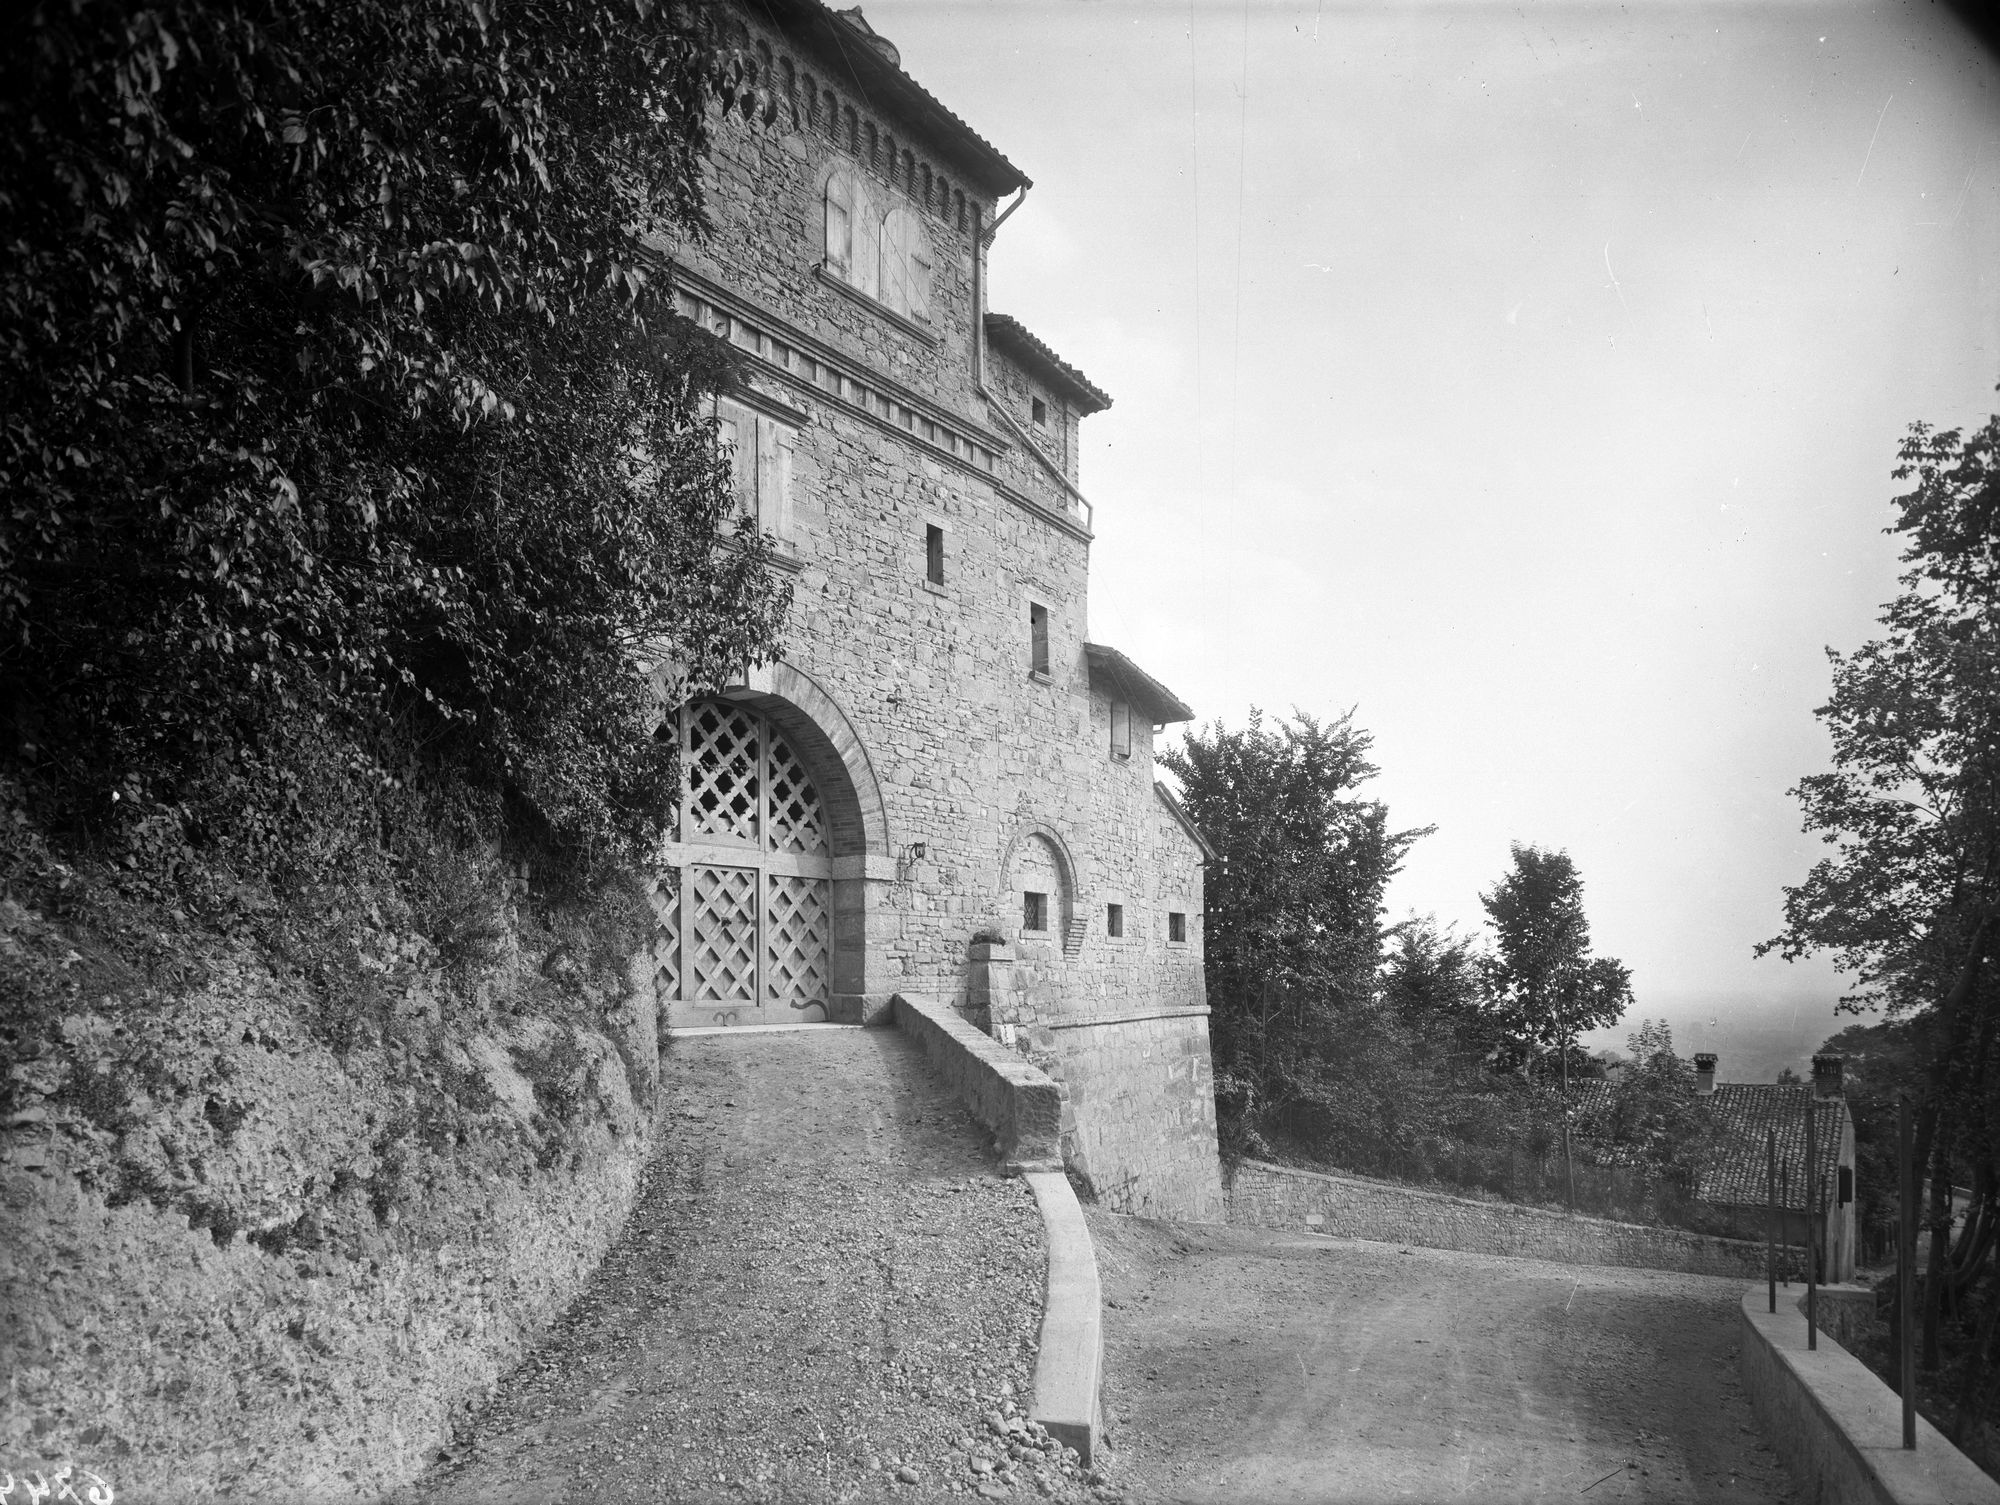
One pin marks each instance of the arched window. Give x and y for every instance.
(853, 234)
(905, 264)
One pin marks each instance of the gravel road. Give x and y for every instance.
(1250, 1366)
(826, 1292)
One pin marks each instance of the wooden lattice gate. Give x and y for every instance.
(745, 903)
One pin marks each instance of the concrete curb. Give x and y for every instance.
(1839, 1428)
(1022, 1108)
(1069, 1367)
(1018, 1104)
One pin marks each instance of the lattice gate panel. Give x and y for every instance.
(665, 894)
(722, 943)
(796, 952)
(722, 772)
(793, 818)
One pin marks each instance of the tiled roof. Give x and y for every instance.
(1007, 333)
(883, 82)
(1743, 1111)
(1113, 670)
(1737, 1170)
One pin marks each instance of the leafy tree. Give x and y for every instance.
(1544, 987)
(338, 402)
(1909, 900)
(1542, 983)
(1294, 925)
(1654, 1113)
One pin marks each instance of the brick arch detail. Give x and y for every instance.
(1065, 864)
(835, 756)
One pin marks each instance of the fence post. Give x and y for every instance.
(1771, 1210)
(1906, 1260)
(1812, 1220)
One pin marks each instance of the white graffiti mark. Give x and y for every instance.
(58, 1487)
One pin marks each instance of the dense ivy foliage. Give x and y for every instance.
(338, 402)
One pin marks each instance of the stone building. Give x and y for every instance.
(945, 787)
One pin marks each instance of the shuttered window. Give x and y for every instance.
(760, 465)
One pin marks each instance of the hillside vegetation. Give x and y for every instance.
(363, 513)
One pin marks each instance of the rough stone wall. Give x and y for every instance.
(280, 1274)
(1141, 1122)
(973, 753)
(1270, 1196)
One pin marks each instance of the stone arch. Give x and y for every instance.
(1028, 838)
(832, 750)
(765, 891)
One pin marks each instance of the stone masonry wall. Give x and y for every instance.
(969, 752)
(1270, 1196)
(1141, 1125)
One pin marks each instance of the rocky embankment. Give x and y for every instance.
(287, 1189)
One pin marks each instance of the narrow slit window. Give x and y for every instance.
(934, 554)
(1039, 411)
(1121, 729)
(1114, 920)
(1034, 910)
(1038, 639)
(1176, 925)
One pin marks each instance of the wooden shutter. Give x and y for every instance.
(840, 226)
(919, 276)
(895, 258)
(784, 438)
(738, 427)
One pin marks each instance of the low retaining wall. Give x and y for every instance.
(1011, 1099)
(1273, 1196)
(1839, 1428)
(1022, 1108)
(1069, 1364)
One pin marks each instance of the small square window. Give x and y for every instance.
(1034, 911)
(1038, 639)
(1039, 411)
(1121, 729)
(1176, 925)
(1114, 920)
(934, 554)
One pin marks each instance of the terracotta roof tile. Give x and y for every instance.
(884, 82)
(1112, 670)
(1742, 1111)
(1010, 335)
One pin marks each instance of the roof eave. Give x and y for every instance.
(1164, 707)
(880, 80)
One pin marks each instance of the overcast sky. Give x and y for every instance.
(1526, 378)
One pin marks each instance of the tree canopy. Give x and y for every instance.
(1295, 904)
(338, 401)
(1544, 986)
(1909, 899)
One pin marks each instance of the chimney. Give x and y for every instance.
(1826, 1076)
(1704, 1073)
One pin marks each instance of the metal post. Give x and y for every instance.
(1812, 1220)
(1771, 1211)
(1906, 1262)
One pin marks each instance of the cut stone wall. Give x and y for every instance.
(1271, 1196)
(1006, 777)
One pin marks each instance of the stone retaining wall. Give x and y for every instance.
(1270, 1196)
(1009, 1098)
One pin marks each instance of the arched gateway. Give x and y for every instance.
(754, 884)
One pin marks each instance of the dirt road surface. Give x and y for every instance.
(826, 1292)
(1252, 1366)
